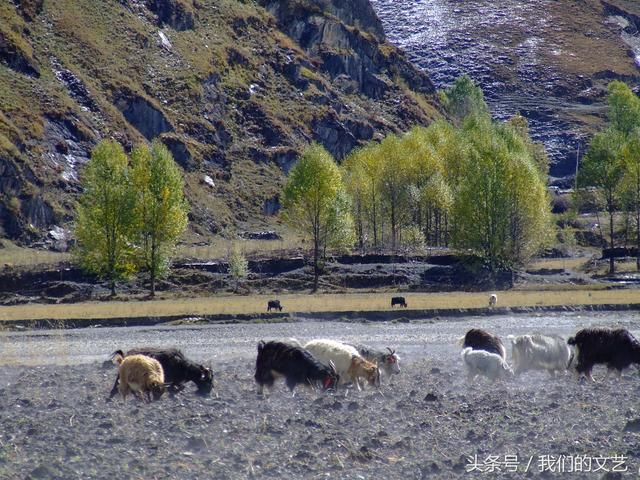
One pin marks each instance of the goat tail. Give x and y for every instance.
(571, 341)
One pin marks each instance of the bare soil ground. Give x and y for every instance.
(427, 422)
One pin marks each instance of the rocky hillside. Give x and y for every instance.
(234, 88)
(549, 59)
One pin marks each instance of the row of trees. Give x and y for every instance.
(131, 213)
(470, 183)
(611, 167)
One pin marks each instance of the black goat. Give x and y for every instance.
(398, 301)
(177, 369)
(617, 349)
(479, 339)
(296, 364)
(275, 304)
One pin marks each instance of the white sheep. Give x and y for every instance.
(480, 362)
(141, 375)
(493, 300)
(348, 362)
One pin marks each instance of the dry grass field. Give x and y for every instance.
(14, 255)
(253, 304)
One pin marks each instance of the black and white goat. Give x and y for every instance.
(295, 364)
(617, 349)
(178, 370)
(478, 339)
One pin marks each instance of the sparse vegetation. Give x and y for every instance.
(238, 266)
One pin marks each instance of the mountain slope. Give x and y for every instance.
(549, 59)
(234, 88)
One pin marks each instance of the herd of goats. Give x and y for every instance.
(326, 364)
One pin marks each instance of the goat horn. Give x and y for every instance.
(332, 365)
(391, 351)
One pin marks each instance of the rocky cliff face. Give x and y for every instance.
(550, 60)
(234, 89)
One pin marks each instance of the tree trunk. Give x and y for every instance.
(153, 267)
(637, 238)
(393, 227)
(113, 287)
(612, 264)
(316, 270)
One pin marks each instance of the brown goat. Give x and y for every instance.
(361, 368)
(141, 375)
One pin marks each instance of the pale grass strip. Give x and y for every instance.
(253, 304)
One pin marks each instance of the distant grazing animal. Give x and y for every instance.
(540, 352)
(388, 362)
(274, 304)
(493, 300)
(295, 364)
(141, 375)
(398, 301)
(617, 349)
(348, 362)
(482, 340)
(178, 370)
(480, 362)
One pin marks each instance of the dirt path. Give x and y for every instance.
(424, 423)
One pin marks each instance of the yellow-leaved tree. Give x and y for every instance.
(316, 204)
(160, 211)
(105, 215)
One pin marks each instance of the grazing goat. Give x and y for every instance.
(493, 300)
(388, 362)
(617, 349)
(348, 362)
(480, 362)
(294, 363)
(540, 352)
(274, 304)
(178, 370)
(141, 375)
(482, 340)
(398, 301)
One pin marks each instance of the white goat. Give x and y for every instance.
(493, 300)
(479, 362)
(540, 352)
(348, 362)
